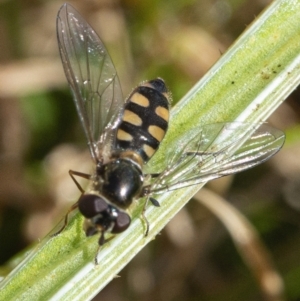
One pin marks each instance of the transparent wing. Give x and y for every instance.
(91, 76)
(215, 151)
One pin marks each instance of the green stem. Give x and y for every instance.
(247, 84)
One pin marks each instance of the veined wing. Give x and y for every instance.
(91, 76)
(215, 151)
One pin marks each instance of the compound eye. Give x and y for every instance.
(121, 223)
(90, 205)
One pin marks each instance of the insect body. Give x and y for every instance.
(145, 119)
(123, 137)
(142, 125)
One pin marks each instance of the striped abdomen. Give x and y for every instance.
(145, 119)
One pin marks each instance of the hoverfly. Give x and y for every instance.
(124, 135)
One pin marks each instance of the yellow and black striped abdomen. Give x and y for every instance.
(145, 119)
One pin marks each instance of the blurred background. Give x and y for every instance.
(41, 139)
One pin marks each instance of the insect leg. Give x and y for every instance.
(73, 207)
(145, 218)
(101, 242)
(72, 174)
(156, 204)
